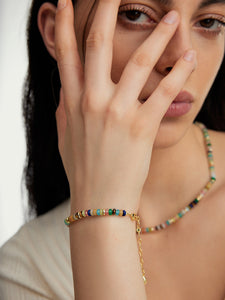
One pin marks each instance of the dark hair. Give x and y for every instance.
(44, 174)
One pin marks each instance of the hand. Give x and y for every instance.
(105, 134)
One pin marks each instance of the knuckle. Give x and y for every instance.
(141, 60)
(113, 112)
(62, 50)
(89, 104)
(94, 40)
(167, 89)
(60, 53)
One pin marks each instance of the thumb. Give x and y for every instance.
(61, 121)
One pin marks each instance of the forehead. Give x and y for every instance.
(201, 4)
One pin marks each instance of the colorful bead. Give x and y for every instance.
(75, 218)
(67, 222)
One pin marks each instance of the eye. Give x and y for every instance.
(136, 16)
(211, 24)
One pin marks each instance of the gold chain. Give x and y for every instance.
(136, 218)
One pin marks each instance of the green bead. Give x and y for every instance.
(110, 212)
(196, 201)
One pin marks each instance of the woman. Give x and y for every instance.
(134, 76)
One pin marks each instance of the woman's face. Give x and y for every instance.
(201, 28)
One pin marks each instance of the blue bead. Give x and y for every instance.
(124, 213)
(89, 213)
(117, 212)
(98, 212)
(167, 222)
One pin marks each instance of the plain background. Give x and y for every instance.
(13, 65)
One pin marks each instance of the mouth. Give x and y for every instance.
(181, 105)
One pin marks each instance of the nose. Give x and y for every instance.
(180, 42)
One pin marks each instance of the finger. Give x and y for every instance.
(99, 44)
(61, 122)
(69, 64)
(143, 60)
(157, 104)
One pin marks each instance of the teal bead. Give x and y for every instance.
(66, 223)
(180, 214)
(98, 212)
(117, 212)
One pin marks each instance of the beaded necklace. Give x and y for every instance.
(180, 214)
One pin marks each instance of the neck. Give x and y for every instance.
(176, 176)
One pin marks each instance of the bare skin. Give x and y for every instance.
(187, 260)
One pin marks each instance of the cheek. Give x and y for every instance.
(210, 56)
(124, 45)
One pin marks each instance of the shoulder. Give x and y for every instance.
(37, 257)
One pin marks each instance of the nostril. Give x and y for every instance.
(168, 69)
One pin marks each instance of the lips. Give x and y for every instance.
(184, 97)
(180, 106)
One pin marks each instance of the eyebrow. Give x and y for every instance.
(210, 2)
(203, 4)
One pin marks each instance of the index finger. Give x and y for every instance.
(69, 63)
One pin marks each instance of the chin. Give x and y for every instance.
(171, 131)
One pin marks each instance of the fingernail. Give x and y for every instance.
(61, 4)
(189, 55)
(171, 17)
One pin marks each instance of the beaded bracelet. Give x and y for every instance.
(111, 212)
